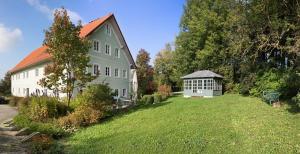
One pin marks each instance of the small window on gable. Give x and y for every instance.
(96, 46)
(107, 49)
(37, 72)
(96, 69)
(108, 29)
(117, 53)
(124, 73)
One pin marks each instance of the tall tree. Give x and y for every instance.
(69, 56)
(164, 66)
(144, 73)
(5, 85)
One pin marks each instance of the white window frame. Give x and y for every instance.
(109, 71)
(37, 72)
(109, 49)
(124, 75)
(99, 69)
(108, 29)
(118, 94)
(97, 47)
(117, 49)
(118, 72)
(124, 94)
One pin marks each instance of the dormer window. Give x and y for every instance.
(107, 49)
(96, 46)
(108, 29)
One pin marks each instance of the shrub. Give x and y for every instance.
(165, 91)
(157, 98)
(83, 115)
(13, 101)
(246, 84)
(42, 108)
(99, 96)
(50, 128)
(147, 99)
(296, 99)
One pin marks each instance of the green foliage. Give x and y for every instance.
(268, 81)
(50, 128)
(164, 66)
(5, 85)
(157, 98)
(69, 55)
(296, 99)
(144, 73)
(147, 99)
(98, 95)
(43, 108)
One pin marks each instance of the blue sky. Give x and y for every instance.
(147, 24)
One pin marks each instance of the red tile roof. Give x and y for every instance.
(40, 55)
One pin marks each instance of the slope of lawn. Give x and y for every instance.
(225, 124)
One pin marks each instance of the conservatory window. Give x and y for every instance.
(194, 86)
(199, 84)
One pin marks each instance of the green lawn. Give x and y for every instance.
(225, 124)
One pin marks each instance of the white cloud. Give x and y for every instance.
(9, 37)
(43, 8)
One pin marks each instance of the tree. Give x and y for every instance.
(144, 73)
(5, 85)
(69, 56)
(164, 66)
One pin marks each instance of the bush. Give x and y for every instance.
(147, 99)
(157, 98)
(13, 101)
(99, 96)
(42, 108)
(296, 99)
(165, 91)
(246, 84)
(50, 128)
(83, 115)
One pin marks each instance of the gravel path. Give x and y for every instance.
(7, 112)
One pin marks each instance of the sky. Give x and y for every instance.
(147, 24)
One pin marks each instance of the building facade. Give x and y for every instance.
(110, 58)
(203, 83)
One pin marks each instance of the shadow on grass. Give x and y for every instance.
(129, 110)
(292, 107)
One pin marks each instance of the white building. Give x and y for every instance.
(109, 55)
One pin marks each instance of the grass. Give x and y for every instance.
(225, 124)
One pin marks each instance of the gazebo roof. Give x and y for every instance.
(202, 74)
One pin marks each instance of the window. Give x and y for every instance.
(124, 73)
(107, 49)
(23, 75)
(117, 54)
(117, 92)
(108, 29)
(205, 85)
(96, 69)
(107, 71)
(199, 84)
(27, 74)
(116, 72)
(19, 91)
(37, 72)
(190, 84)
(185, 84)
(124, 92)
(194, 86)
(96, 46)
